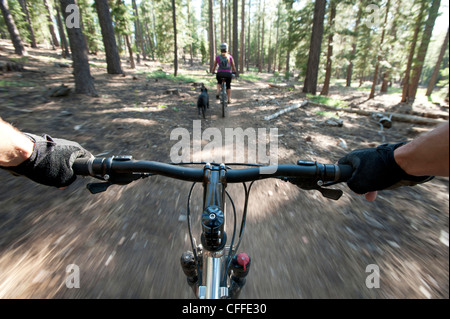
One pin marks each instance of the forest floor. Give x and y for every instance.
(128, 240)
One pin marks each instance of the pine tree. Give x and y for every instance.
(51, 27)
(426, 36)
(418, 25)
(331, 22)
(84, 82)
(109, 40)
(19, 48)
(437, 67)
(380, 53)
(354, 45)
(312, 70)
(175, 59)
(24, 5)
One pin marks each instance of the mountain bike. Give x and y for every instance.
(224, 96)
(214, 269)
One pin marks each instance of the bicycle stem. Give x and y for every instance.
(213, 216)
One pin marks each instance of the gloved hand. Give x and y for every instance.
(375, 169)
(51, 161)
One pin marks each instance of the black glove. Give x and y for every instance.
(375, 169)
(51, 161)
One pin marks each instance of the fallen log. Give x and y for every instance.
(282, 86)
(285, 110)
(394, 116)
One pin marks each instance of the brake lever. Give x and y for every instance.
(329, 193)
(119, 179)
(96, 188)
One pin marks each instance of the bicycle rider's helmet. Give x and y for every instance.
(223, 47)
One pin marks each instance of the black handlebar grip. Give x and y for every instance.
(83, 166)
(345, 172)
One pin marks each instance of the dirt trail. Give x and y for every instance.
(127, 241)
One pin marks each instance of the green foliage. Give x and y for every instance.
(122, 17)
(166, 76)
(326, 100)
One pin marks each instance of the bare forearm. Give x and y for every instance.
(426, 155)
(15, 147)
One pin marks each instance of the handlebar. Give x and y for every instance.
(123, 170)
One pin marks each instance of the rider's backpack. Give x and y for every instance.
(224, 63)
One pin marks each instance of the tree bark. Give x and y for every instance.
(406, 79)
(326, 85)
(24, 5)
(109, 39)
(241, 57)
(84, 82)
(355, 31)
(19, 48)
(211, 38)
(380, 53)
(175, 53)
(290, 4)
(248, 37)
(422, 52)
(138, 28)
(62, 34)
(261, 58)
(50, 24)
(235, 33)
(221, 21)
(435, 74)
(312, 69)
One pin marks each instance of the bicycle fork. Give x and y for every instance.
(205, 268)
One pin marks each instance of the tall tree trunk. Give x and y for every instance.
(412, 50)
(24, 5)
(326, 85)
(19, 48)
(269, 53)
(261, 58)
(312, 69)
(290, 22)
(191, 53)
(230, 29)
(62, 34)
(84, 82)
(422, 52)
(211, 38)
(138, 28)
(435, 74)
(221, 21)
(355, 40)
(247, 56)
(109, 40)
(235, 33)
(241, 57)
(276, 39)
(130, 51)
(380, 52)
(50, 23)
(175, 53)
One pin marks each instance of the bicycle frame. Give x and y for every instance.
(224, 97)
(214, 269)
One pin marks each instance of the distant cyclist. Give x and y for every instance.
(225, 71)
